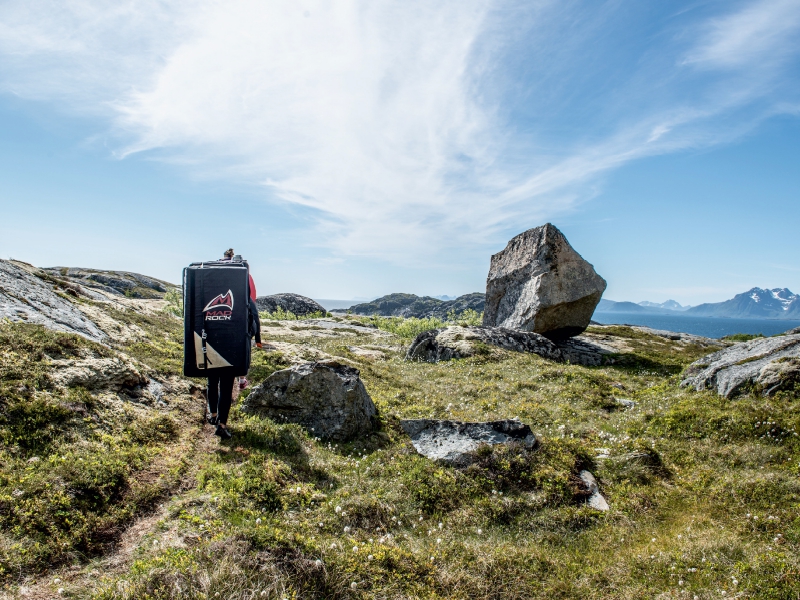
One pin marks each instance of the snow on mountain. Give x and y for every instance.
(669, 305)
(759, 303)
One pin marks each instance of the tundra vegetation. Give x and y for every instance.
(102, 497)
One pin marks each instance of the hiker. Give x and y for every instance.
(220, 387)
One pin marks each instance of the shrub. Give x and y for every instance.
(174, 300)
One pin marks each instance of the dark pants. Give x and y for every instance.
(220, 394)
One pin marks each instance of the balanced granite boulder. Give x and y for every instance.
(539, 283)
(460, 342)
(294, 303)
(327, 398)
(764, 364)
(454, 442)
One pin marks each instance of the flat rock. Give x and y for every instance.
(453, 442)
(539, 283)
(460, 342)
(27, 295)
(368, 353)
(112, 374)
(327, 398)
(582, 350)
(293, 303)
(769, 364)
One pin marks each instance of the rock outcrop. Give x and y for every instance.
(768, 364)
(460, 342)
(293, 303)
(453, 442)
(411, 305)
(327, 398)
(539, 283)
(26, 295)
(118, 283)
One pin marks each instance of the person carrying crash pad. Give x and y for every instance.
(220, 387)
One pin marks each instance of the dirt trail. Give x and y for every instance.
(84, 577)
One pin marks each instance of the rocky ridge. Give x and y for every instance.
(410, 305)
(296, 304)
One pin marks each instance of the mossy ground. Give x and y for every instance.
(703, 491)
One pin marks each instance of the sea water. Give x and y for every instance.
(713, 327)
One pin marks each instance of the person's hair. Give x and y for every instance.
(228, 253)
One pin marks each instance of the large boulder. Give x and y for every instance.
(766, 364)
(28, 294)
(460, 342)
(540, 284)
(327, 398)
(293, 303)
(454, 442)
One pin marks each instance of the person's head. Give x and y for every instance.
(228, 253)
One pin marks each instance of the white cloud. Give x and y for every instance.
(759, 35)
(378, 116)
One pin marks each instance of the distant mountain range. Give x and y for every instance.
(757, 303)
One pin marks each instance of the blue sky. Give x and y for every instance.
(353, 149)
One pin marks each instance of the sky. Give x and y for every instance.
(352, 149)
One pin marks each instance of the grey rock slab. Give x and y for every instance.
(585, 351)
(454, 442)
(794, 331)
(768, 363)
(334, 325)
(29, 298)
(539, 283)
(460, 342)
(596, 499)
(327, 398)
(98, 374)
(293, 303)
(625, 402)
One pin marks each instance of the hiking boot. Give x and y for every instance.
(212, 420)
(223, 433)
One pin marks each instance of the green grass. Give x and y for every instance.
(74, 466)
(743, 337)
(703, 490)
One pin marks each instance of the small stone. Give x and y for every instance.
(596, 499)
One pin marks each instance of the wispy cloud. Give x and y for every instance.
(389, 121)
(761, 35)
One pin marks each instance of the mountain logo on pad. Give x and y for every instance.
(220, 302)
